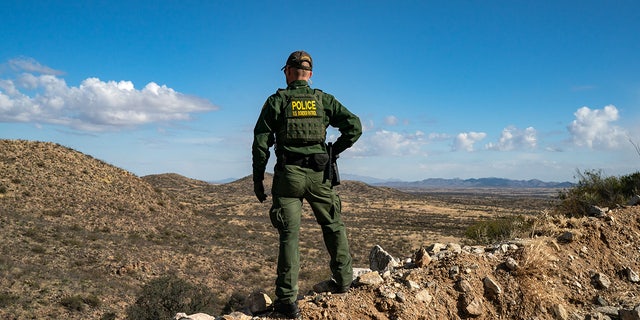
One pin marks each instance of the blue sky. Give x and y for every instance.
(444, 89)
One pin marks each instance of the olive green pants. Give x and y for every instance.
(291, 185)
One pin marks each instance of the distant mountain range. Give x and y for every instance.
(473, 183)
(448, 183)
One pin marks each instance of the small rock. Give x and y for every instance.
(436, 247)
(597, 212)
(413, 285)
(454, 271)
(601, 301)
(634, 201)
(632, 276)
(511, 264)
(372, 278)
(236, 315)
(424, 296)
(196, 316)
(473, 306)
(491, 287)
(610, 219)
(608, 311)
(387, 292)
(477, 249)
(441, 255)
(401, 297)
(257, 302)
(422, 258)
(380, 260)
(566, 237)
(559, 312)
(454, 247)
(601, 281)
(464, 286)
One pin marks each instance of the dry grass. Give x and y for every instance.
(536, 258)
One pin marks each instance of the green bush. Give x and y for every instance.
(502, 228)
(593, 189)
(630, 184)
(163, 297)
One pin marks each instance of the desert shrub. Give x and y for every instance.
(77, 302)
(163, 297)
(595, 189)
(7, 299)
(92, 301)
(38, 249)
(56, 213)
(502, 228)
(108, 316)
(73, 303)
(630, 184)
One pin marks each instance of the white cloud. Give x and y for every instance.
(25, 64)
(513, 138)
(389, 143)
(366, 125)
(391, 120)
(94, 105)
(594, 129)
(434, 136)
(466, 140)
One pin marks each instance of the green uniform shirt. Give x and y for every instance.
(271, 120)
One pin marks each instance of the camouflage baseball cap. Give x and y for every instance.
(296, 59)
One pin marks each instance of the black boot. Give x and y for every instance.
(287, 309)
(330, 286)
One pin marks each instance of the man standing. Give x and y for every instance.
(295, 120)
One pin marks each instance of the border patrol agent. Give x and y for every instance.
(295, 120)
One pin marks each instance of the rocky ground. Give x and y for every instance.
(589, 271)
(580, 269)
(80, 238)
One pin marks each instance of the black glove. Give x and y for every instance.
(258, 189)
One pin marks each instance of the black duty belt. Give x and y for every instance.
(298, 160)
